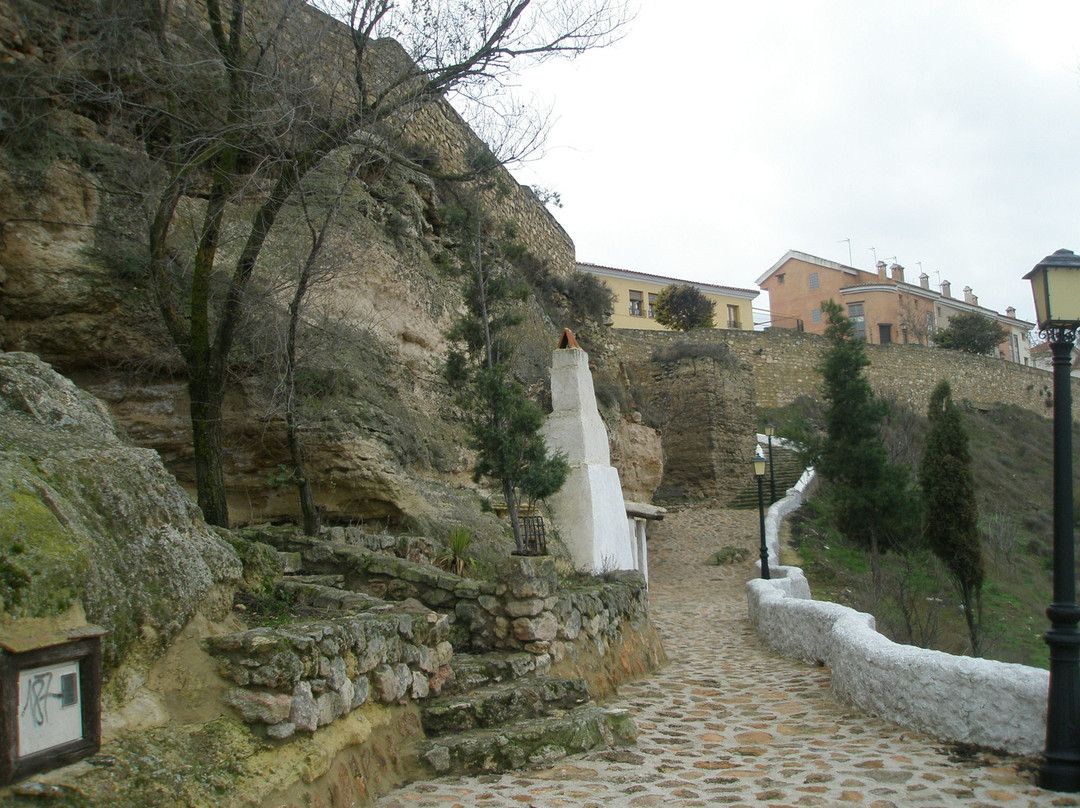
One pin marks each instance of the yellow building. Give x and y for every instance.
(636, 292)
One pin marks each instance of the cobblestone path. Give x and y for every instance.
(728, 723)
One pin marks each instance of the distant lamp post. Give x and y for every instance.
(1055, 282)
(770, 430)
(759, 472)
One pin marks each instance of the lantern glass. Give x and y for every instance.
(759, 465)
(1055, 285)
(770, 430)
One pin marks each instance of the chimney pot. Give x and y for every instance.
(924, 281)
(897, 273)
(881, 270)
(946, 289)
(1010, 312)
(968, 296)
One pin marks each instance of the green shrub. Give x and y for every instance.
(729, 555)
(585, 297)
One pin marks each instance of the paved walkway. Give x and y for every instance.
(728, 723)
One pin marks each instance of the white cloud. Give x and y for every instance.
(716, 136)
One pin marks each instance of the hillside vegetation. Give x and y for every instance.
(1012, 455)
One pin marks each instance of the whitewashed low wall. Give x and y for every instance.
(954, 698)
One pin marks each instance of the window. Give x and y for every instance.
(855, 312)
(652, 305)
(780, 279)
(635, 303)
(815, 315)
(884, 333)
(814, 280)
(733, 317)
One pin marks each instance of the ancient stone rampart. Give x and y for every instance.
(440, 129)
(701, 401)
(784, 365)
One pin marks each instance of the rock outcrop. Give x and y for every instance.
(89, 522)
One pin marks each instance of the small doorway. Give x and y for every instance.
(884, 333)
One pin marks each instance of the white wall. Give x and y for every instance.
(950, 697)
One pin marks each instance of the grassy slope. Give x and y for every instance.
(1012, 454)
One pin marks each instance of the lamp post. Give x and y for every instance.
(1055, 282)
(759, 472)
(770, 430)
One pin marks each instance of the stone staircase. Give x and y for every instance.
(501, 713)
(787, 467)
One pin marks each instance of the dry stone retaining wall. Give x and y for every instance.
(302, 677)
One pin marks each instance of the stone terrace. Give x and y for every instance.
(727, 723)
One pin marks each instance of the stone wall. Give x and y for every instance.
(784, 364)
(439, 127)
(304, 677)
(954, 698)
(525, 611)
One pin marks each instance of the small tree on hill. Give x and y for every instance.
(972, 333)
(868, 499)
(951, 521)
(504, 423)
(681, 307)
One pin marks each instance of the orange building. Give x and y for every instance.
(882, 305)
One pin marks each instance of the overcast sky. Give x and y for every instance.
(718, 135)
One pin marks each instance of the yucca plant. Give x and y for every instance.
(456, 558)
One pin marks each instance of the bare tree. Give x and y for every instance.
(915, 322)
(235, 102)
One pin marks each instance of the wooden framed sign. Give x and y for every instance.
(50, 702)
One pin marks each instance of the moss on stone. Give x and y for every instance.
(42, 556)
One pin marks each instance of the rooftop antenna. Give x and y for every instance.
(841, 241)
(874, 251)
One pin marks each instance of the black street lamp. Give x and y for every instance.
(770, 430)
(1055, 282)
(759, 472)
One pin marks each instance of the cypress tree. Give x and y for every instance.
(868, 499)
(951, 521)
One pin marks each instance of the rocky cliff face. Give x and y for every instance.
(382, 432)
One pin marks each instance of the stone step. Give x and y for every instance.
(472, 671)
(787, 467)
(322, 592)
(500, 704)
(528, 744)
